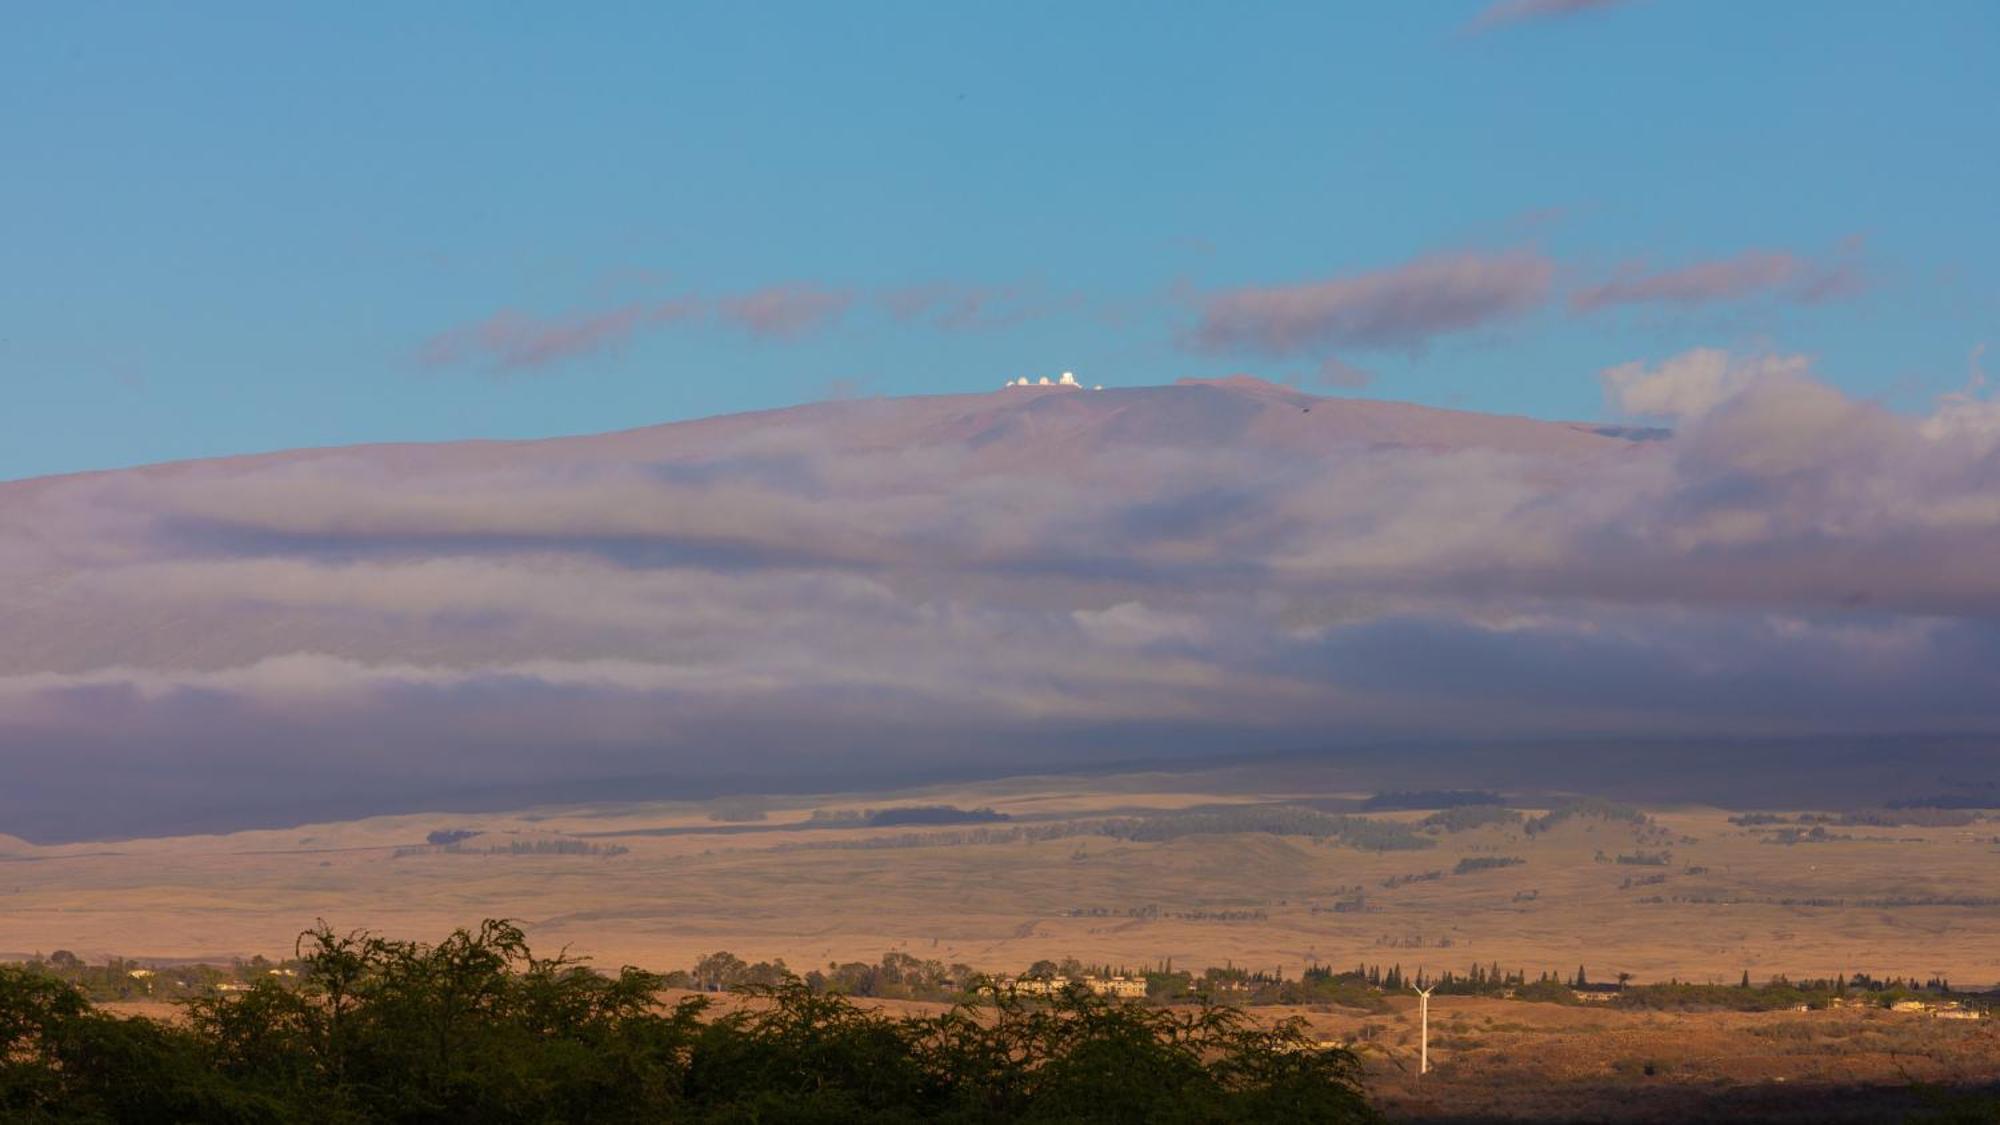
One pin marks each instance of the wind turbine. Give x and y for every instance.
(1424, 1034)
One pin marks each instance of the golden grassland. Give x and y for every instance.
(781, 888)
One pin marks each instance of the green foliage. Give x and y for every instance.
(476, 1028)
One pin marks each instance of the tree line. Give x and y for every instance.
(477, 1028)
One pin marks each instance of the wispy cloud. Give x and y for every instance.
(1753, 273)
(1337, 373)
(1523, 11)
(1403, 307)
(511, 340)
(958, 307)
(787, 312)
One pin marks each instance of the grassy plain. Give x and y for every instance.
(1887, 901)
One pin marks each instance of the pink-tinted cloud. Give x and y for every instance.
(787, 312)
(1403, 307)
(956, 307)
(1336, 372)
(946, 305)
(1751, 274)
(911, 587)
(1522, 11)
(1693, 383)
(510, 340)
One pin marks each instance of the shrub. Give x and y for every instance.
(476, 1028)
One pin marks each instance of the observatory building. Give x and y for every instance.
(1068, 380)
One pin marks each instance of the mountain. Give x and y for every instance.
(898, 589)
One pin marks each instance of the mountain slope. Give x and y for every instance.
(921, 586)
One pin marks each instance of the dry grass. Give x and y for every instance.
(777, 890)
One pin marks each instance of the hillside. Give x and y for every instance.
(888, 591)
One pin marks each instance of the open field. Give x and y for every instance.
(659, 884)
(1498, 1059)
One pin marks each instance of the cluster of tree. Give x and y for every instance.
(1747, 820)
(1274, 820)
(1016, 834)
(903, 816)
(726, 972)
(1151, 911)
(476, 1028)
(1908, 818)
(1896, 815)
(1894, 902)
(1431, 799)
(543, 846)
(1464, 818)
(1815, 835)
(932, 814)
(1645, 859)
(120, 979)
(896, 974)
(1781, 992)
(1591, 808)
(1473, 863)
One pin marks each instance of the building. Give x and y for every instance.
(1068, 379)
(1125, 988)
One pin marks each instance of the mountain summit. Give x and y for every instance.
(910, 587)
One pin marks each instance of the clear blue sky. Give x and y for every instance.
(227, 228)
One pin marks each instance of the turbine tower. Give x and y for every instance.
(1424, 1030)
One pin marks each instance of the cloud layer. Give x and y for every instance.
(1753, 273)
(1522, 11)
(1403, 307)
(900, 589)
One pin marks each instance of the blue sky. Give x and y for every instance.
(243, 227)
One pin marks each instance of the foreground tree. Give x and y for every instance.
(478, 1029)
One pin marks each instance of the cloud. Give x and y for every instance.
(946, 305)
(1334, 372)
(510, 340)
(956, 307)
(905, 589)
(1753, 273)
(1692, 383)
(1403, 307)
(787, 312)
(1523, 11)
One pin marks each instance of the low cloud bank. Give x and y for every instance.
(914, 588)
